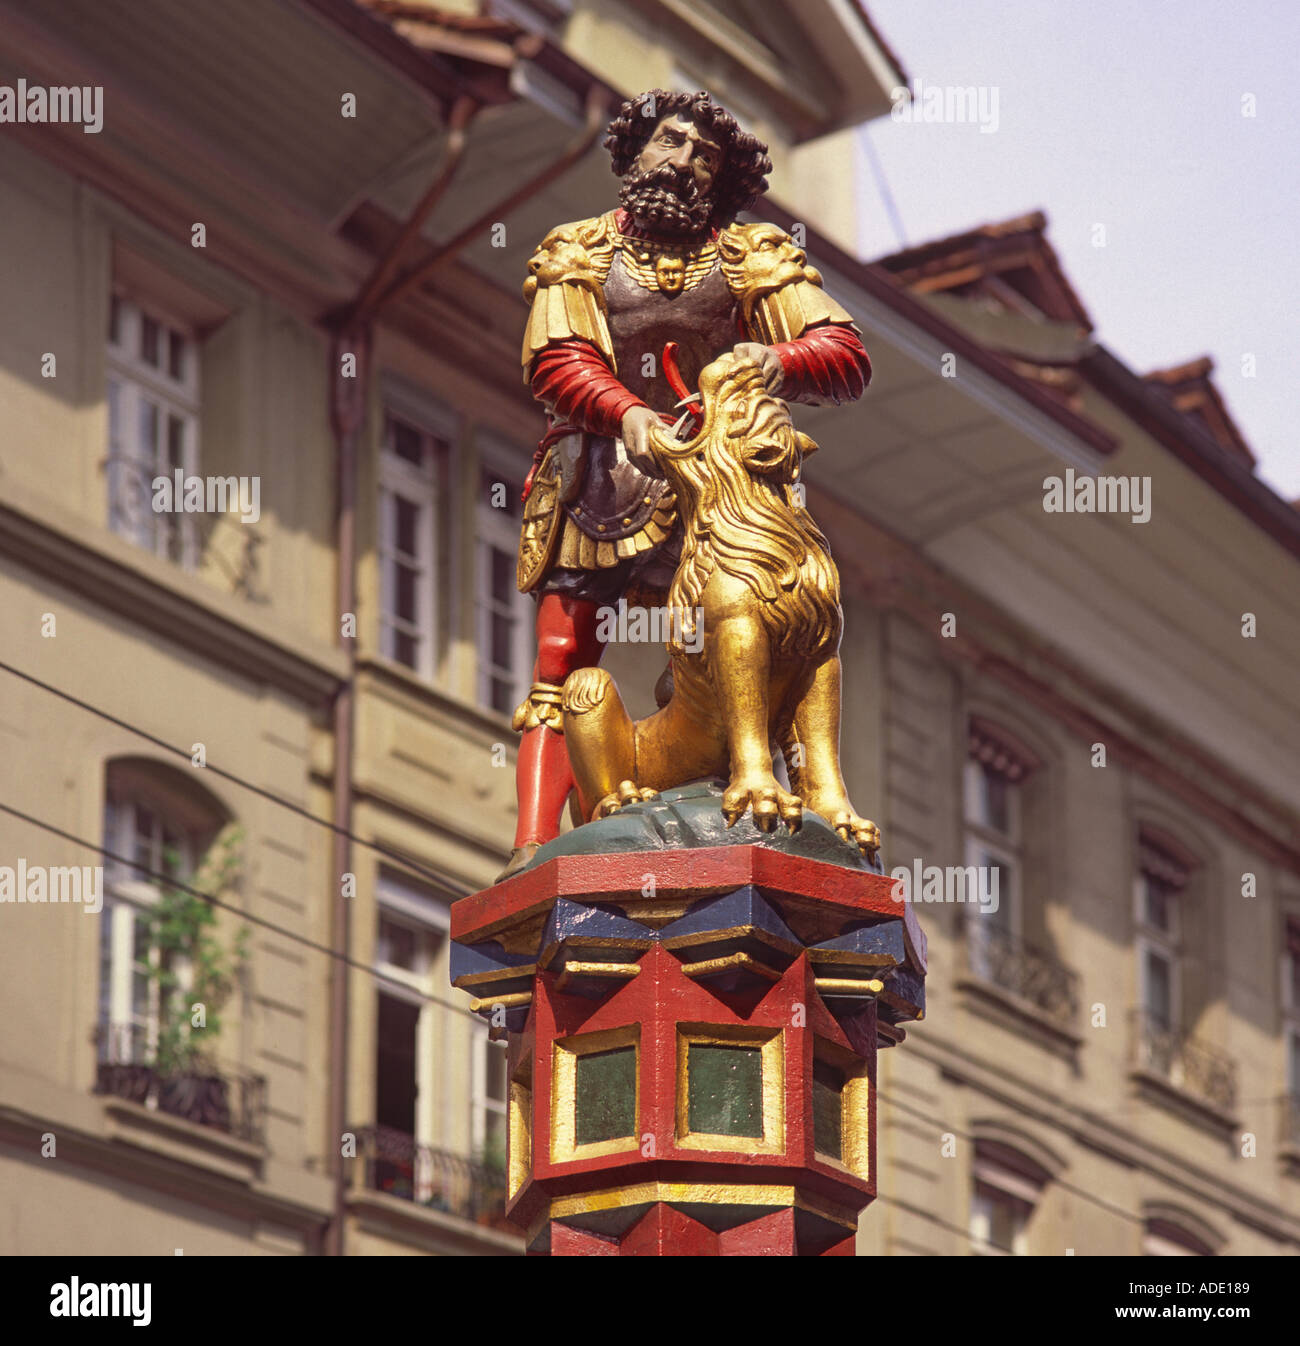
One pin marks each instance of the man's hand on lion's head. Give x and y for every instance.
(636, 427)
(767, 360)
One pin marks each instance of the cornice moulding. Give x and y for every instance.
(176, 606)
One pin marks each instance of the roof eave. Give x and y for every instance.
(878, 282)
(1197, 449)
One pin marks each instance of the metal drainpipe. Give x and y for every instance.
(347, 415)
(349, 400)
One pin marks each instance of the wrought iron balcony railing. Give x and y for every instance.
(208, 1094)
(1019, 968)
(1186, 1062)
(397, 1164)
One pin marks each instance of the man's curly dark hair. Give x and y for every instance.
(742, 178)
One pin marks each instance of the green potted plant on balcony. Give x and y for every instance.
(195, 975)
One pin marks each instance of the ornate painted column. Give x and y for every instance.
(693, 1016)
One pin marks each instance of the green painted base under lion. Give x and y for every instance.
(690, 816)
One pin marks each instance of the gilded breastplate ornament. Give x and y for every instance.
(670, 274)
(664, 267)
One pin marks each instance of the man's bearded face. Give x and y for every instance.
(670, 187)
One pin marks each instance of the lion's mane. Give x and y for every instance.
(734, 483)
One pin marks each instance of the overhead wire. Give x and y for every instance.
(396, 857)
(422, 871)
(180, 885)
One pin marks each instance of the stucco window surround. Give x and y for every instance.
(156, 1089)
(998, 766)
(1179, 1056)
(1011, 1171)
(1000, 739)
(1172, 877)
(158, 356)
(1009, 807)
(1172, 1230)
(418, 459)
(160, 823)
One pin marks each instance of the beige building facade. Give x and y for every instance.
(1074, 702)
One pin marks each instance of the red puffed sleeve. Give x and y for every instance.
(572, 378)
(828, 363)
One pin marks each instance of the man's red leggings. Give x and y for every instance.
(566, 640)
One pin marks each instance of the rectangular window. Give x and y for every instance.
(399, 945)
(993, 809)
(1160, 906)
(998, 1222)
(503, 615)
(993, 801)
(1007, 1189)
(152, 397)
(410, 954)
(1158, 902)
(490, 1101)
(413, 463)
(396, 1068)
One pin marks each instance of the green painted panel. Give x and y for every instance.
(725, 1090)
(606, 1095)
(828, 1110)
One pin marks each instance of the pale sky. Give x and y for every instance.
(1128, 114)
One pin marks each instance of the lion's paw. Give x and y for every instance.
(768, 801)
(859, 832)
(627, 793)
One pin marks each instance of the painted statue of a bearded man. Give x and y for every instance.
(607, 295)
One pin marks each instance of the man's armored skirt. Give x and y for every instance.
(595, 525)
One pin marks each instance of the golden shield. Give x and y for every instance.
(539, 535)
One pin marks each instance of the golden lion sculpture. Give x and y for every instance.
(756, 597)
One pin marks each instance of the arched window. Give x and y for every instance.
(1007, 1187)
(1171, 1231)
(160, 825)
(1163, 1239)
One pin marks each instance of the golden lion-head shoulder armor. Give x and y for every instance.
(580, 253)
(566, 276)
(779, 293)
